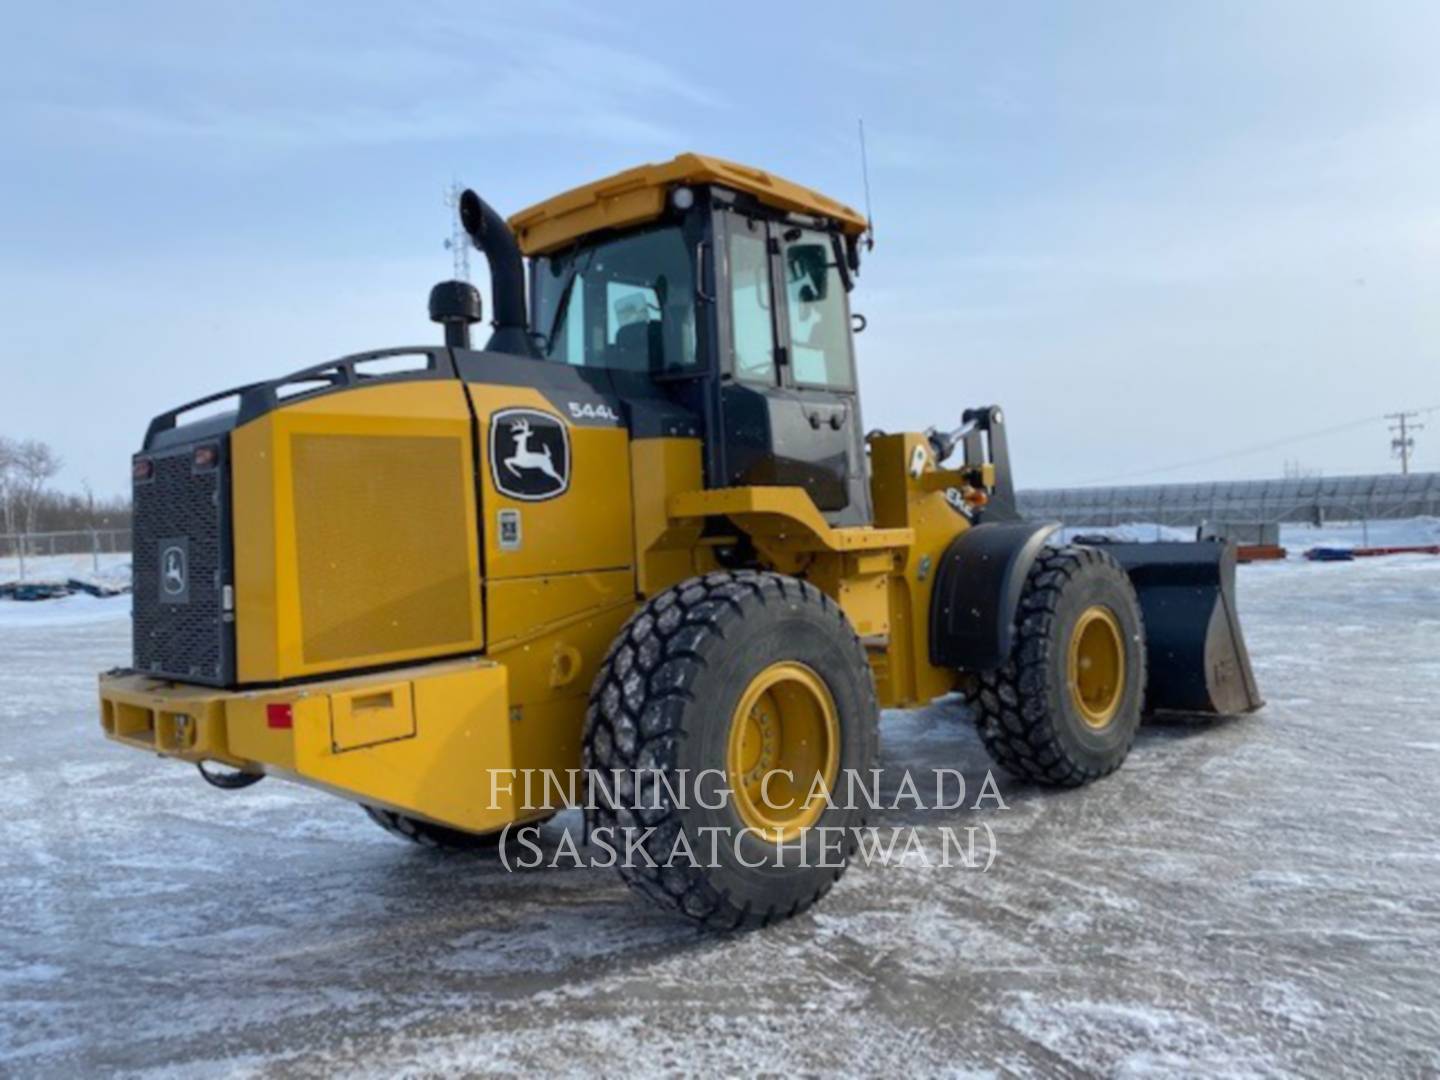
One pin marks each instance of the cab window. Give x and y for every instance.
(817, 311)
(751, 306)
(627, 304)
(568, 344)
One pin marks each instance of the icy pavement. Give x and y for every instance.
(1256, 896)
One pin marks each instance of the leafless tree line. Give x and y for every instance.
(28, 504)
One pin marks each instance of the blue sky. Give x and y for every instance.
(1155, 232)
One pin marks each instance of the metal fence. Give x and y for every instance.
(26, 549)
(1315, 500)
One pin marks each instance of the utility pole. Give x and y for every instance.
(1403, 444)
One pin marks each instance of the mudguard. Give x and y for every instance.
(1194, 649)
(977, 593)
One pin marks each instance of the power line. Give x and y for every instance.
(1274, 444)
(1257, 448)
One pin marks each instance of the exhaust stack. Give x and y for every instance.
(507, 275)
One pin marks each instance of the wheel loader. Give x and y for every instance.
(642, 534)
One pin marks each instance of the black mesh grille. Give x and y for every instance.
(188, 639)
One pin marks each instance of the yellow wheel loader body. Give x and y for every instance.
(417, 577)
(453, 740)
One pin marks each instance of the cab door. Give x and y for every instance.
(789, 409)
(818, 366)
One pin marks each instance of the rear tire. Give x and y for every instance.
(740, 673)
(1064, 709)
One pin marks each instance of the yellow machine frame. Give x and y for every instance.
(420, 739)
(424, 740)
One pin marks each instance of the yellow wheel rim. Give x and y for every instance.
(1096, 668)
(784, 750)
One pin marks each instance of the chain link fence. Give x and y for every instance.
(27, 553)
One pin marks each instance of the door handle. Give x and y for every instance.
(700, 294)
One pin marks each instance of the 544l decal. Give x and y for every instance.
(585, 410)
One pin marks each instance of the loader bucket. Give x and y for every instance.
(1194, 649)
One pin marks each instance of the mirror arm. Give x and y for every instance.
(840, 262)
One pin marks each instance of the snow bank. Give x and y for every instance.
(1407, 532)
(1135, 531)
(114, 568)
(66, 611)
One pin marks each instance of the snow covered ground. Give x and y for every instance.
(114, 568)
(1255, 896)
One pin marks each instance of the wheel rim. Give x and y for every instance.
(1096, 669)
(785, 722)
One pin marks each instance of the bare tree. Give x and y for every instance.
(9, 462)
(35, 466)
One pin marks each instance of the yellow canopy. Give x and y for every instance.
(638, 195)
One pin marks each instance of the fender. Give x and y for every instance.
(977, 593)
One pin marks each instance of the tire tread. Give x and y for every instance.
(1011, 713)
(708, 607)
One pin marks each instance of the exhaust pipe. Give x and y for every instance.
(507, 275)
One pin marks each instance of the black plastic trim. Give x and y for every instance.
(977, 593)
(254, 400)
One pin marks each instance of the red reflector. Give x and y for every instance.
(143, 469)
(279, 716)
(206, 457)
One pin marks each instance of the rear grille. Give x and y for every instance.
(181, 568)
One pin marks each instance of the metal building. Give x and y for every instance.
(1306, 499)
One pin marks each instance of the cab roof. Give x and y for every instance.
(637, 195)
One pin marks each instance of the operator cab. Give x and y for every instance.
(720, 290)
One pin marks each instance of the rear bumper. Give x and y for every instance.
(431, 741)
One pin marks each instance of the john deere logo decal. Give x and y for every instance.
(175, 571)
(529, 454)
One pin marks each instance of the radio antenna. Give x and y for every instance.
(865, 175)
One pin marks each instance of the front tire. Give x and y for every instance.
(1064, 709)
(737, 675)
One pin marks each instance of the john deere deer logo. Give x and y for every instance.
(529, 454)
(175, 570)
(525, 458)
